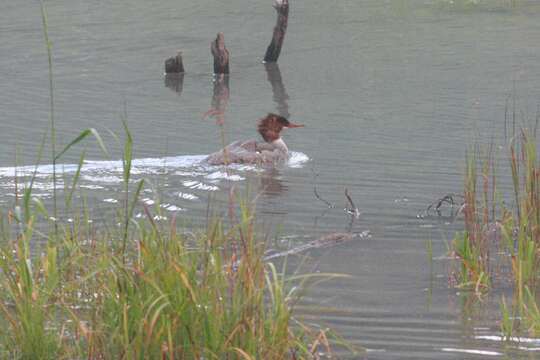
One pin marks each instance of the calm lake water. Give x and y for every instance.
(392, 93)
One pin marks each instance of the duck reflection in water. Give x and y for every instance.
(271, 183)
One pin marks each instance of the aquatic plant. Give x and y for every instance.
(525, 176)
(522, 231)
(145, 291)
(472, 245)
(507, 322)
(48, 46)
(487, 220)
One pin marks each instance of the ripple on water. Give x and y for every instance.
(99, 172)
(197, 185)
(297, 159)
(473, 351)
(219, 175)
(521, 343)
(172, 207)
(187, 196)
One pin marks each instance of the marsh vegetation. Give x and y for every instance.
(502, 232)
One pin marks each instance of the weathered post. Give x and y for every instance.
(221, 55)
(174, 65)
(273, 50)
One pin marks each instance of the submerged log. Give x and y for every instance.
(274, 49)
(326, 241)
(174, 65)
(221, 55)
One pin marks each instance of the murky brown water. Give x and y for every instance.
(391, 92)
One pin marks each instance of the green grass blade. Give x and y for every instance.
(82, 136)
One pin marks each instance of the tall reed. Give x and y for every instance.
(487, 219)
(472, 246)
(48, 46)
(161, 294)
(167, 296)
(525, 176)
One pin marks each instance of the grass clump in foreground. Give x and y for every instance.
(472, 246)
(512, 234)
(141, 290)
(168, 296)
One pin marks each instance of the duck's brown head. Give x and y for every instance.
(270, 126)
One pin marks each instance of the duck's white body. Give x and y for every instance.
(251, 152)
(272, 150)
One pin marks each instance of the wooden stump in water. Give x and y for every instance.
(174, 65)
(221, 55)
(273, 50)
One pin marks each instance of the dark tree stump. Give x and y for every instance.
(221, 55)
(278, 89)
(175, 82)
(174, 65)
(274, 49)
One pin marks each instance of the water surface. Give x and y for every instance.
(391, 92)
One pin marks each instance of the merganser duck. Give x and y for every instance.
(271, 151)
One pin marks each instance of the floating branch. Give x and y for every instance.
(174, 65)
(328, 203)
(326, 241)
(448, 199)
(221, 55)
(353, 210)
(451, 199)
(273, 50)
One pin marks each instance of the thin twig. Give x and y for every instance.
(448, 198)
(353, 210)
(328, 203)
